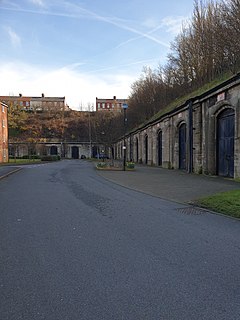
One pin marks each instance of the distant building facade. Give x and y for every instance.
(36, 104)
(112, 105)
(3, 133)
(67, 150)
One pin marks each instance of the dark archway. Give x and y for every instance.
(225, 143)
(146, 149)
(75, 152)
(182, 146)
(137, 155)
(53, 151)
(159, 140)
(94, 151)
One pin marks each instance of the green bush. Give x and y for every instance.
(101, 164)
(130, 165)
(50, 158)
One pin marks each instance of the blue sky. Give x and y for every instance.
(84, 49)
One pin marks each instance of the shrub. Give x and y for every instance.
(130, 165)
(101, 165)
(50, 158)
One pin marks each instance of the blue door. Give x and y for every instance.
(53, 151)
(146, 149)
(136, 149)
(182, 146)
(225, 143)
(160, 148)
(75, 152)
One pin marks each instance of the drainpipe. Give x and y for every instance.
(190, 136)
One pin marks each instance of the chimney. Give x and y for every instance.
(42, 95)
(20, 95)
(114, 97)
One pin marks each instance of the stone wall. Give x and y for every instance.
(201, 117)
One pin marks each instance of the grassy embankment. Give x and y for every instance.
(225, 202)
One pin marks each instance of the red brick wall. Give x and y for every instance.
(3, 133)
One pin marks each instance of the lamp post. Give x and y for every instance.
(90, 132)
(124, 106)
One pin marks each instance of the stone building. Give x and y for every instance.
(202, 135)
(63, 149)
(3, 133)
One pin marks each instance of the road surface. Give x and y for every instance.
(74, 246)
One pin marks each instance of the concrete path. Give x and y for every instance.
(174, 185)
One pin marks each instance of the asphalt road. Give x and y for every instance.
(75, 246)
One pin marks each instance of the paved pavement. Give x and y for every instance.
(174, 185)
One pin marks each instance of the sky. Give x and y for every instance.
(83, 49)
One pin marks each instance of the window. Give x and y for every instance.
(99, 105)
(3, 108)
(27, 103)
(108, 105)
(21, 103)
(103, 105)
(3, 123)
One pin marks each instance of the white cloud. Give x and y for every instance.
(78, 88)
(38, 2)
(150, 23)
(173, 24)
(14, 37)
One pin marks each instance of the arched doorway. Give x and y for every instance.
(53, 151)
(182, 146)
(146, 149)
(225, 143)
(137, 150)
(75, 152)
(159, 139)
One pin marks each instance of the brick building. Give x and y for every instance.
(36, 104)
(112, 105)
(3, 133)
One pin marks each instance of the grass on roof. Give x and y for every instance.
(181, 100)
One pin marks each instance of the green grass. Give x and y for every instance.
(23, 161)
(225, 202)
(181, 100)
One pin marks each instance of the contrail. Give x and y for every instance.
(93, 15)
